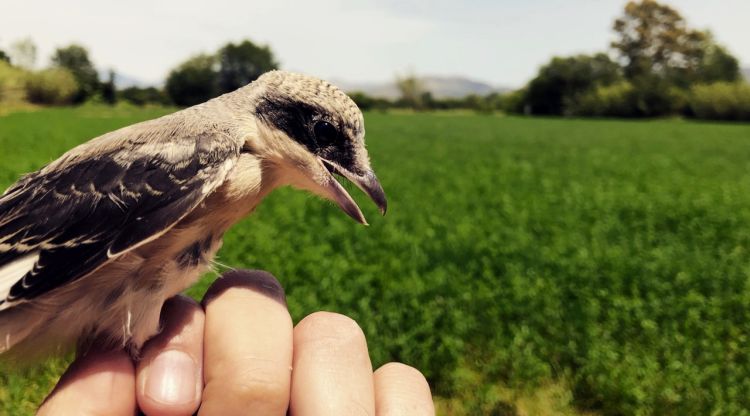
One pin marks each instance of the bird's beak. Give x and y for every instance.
(367, 182)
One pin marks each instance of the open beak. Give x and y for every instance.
(367, 182)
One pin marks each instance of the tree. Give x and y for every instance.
(242, 64)
(75, 58)
(717, 64)
(23, 53)
(203, 77)
(563, 79)
(412, 91)
(108, 89)
(194, 81)
(654, 40)
(4, 57)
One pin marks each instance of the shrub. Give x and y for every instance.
(515, 102)
(142, 96)
(366, 102)
(478, 103)
(12, 82)
(647, 98)
(52, 86)
(616, 100)
(655, 96)
(721, 101)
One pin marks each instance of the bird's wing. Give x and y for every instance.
(65, 221)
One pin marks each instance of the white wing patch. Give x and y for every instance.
(14, 271)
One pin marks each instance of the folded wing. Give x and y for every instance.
(60, 224)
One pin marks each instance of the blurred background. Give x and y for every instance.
(569, 221)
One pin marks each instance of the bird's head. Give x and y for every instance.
(308, 130)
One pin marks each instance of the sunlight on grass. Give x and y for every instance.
(530, 265)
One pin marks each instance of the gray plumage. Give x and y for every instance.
(92, 244)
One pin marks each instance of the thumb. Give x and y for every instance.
(95, 384)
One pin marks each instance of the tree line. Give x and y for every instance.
(657, 66)
(206, 76)
(72, 78)
(661, 67)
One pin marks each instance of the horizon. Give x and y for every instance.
(424, 38)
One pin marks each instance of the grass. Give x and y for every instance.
(526, 266)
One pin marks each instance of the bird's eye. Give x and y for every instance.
(325, 133)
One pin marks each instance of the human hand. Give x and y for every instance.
(238, 353)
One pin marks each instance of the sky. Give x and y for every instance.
(501, 42)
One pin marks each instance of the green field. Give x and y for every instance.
(544, 265)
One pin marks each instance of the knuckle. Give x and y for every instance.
(258, 384)
(260, 387)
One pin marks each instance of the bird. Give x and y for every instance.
(92, 244)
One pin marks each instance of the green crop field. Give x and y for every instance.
(526, 266)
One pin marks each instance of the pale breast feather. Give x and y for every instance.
(84, 213)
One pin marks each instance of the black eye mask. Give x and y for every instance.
(309, 126)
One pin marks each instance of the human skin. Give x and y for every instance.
(237, 352)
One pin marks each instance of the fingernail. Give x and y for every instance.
(172, 378)
(257, 280)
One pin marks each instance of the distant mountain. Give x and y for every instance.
(124, 80)
(746, 74)
(457, 87)
(374, 89)
(439, 86)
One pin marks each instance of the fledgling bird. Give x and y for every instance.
(93, 244)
